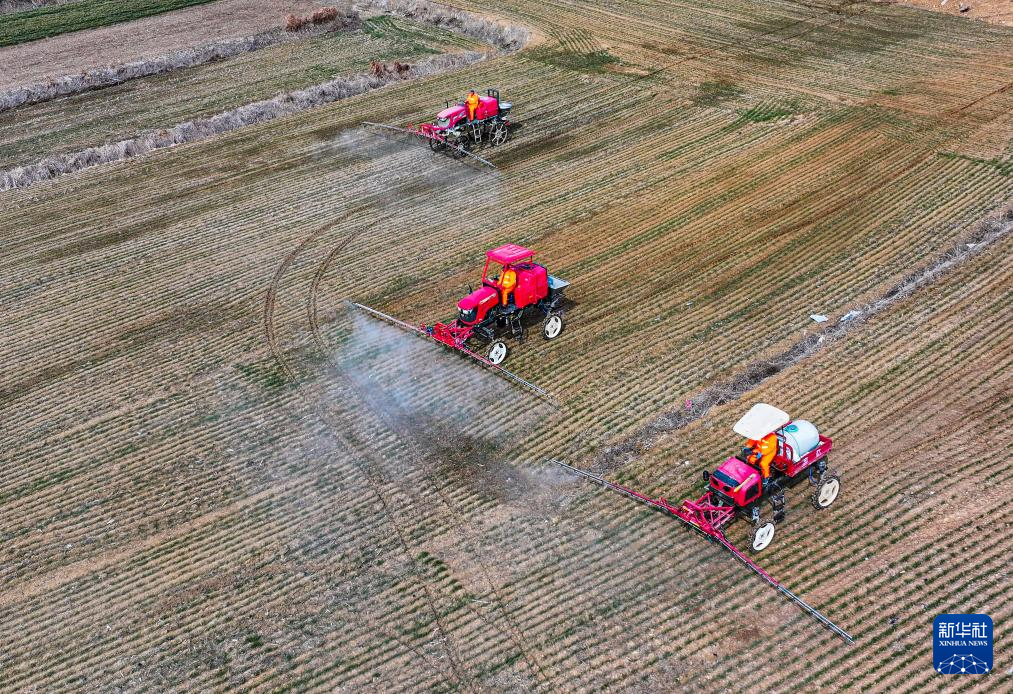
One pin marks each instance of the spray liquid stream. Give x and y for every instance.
(543, 394)
(419, 134)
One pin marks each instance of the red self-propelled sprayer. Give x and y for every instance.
(459, 129)
(521, 292)
(738, 488)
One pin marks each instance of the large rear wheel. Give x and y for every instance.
(762, 536)
(826, 493)
(497, 352)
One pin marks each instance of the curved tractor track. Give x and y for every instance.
(371, 472)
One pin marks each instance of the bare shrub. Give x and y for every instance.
(294, 22)
(248, 114)
(324, 14)
(396, 69)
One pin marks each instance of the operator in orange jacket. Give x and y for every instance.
(506, 283)
(472, 103)
(762, 452)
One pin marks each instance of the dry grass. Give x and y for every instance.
(506, 37)
(100, 78)
(249, 114)
(8, 6)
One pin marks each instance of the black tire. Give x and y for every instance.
(437, 145)
(553, 326)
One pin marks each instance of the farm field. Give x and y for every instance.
(993, 11)
(73, 52)
(96, 117)
(217, 477)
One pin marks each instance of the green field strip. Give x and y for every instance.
(43, 22)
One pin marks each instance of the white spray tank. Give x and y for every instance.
(802, 436)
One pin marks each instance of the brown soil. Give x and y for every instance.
(993, 11)
(76, 52)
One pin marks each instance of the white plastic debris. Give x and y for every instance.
(819, 318)
(850, 315)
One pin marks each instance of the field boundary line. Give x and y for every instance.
(254, 113)
(180, 59)
(987, 233)
(504, 38)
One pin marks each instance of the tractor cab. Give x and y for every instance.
(798, 446)
(532, 279)
(456, 114)
(532, 284)
(738, 481)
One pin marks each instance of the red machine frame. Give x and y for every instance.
(709, 520)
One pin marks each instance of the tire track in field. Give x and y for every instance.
(417, 454)
(1001, 90)
(373, 478)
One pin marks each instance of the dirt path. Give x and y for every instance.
(121, 43)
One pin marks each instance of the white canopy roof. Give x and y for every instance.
(760, 421)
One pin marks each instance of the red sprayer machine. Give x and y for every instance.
(503, 307)
(738, 488)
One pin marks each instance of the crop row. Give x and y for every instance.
(278, 472)
(115, 113)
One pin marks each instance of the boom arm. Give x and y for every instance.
(690, 514)
(509, 375)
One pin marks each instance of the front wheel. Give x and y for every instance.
(826, 493)
(437, 145)
(497, 352)
(552, 326)
(762, 536)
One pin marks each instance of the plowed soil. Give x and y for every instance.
(216, 476)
